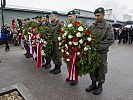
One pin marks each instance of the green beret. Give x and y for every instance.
(47, 16)
(38, 16)
(99, 10)
(55, 12)
(71, 13)
(28, 19)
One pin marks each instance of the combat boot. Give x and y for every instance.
(57, 69)
(98, 90)
(46, 65)
(73, 82)
(93, 86)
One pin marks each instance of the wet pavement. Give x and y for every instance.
(15, 68)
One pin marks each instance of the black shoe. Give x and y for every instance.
(28, 55)
(46, 66)
(91, 87)
(57, 71)
(52, 70)
(73, 82)
(67, 80)
(98, 90)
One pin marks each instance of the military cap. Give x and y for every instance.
(47, 16)
(28, 18)
(25, 19)
(99, 10)
(38, 16)
(55, 12)
(71, 13)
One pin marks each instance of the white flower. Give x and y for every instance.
(78, 53)
(89, 38)
(62, 50)
(66, 46)
(70, 25)
(41, 40)
(59, 47)
(81, 41)
(70, 36)
(44, 42)
(59, 43)
(42, 52)
(59, 38)
(78, 34)
(67, 59)
(70, 43)
(65, 34)
(80, 28)
(85, 48)
(30, 28)
(67, 53)
(75, 43)
(44, 45)
(38, 36)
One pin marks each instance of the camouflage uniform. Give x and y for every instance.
(56, 53)
(104, 32)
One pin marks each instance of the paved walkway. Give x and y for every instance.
(15, 68)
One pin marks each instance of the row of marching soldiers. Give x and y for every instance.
(124, 35)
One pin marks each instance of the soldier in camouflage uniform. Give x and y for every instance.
(56, 54)
(46, 23)
(26, 24)
(104, 32)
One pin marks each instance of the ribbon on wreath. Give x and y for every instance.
(39, 56)
(73, 75)
(22, 43)
(30, 44)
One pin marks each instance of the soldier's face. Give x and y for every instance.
(71, 17)
(53, 17)
(99, 17)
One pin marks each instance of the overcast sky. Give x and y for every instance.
(119, 7)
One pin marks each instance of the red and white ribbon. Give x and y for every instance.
(39, 56)
(72, 69)
(30, 44)
(33, 53)
(22, 43)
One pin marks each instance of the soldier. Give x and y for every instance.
(71, 17)
(46, 23)
(56, 54)
(131, 35)
(26, 25)
(104, 33)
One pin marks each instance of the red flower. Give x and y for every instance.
(66, 39)
(89, 43)
(63, 43)
(67, 56)
(79, 49)
(70, 46)
(75, 39)
(88, 32)
(84, 54)
(40, 34)
(34, 37)
(77, 23)
(61, 31)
